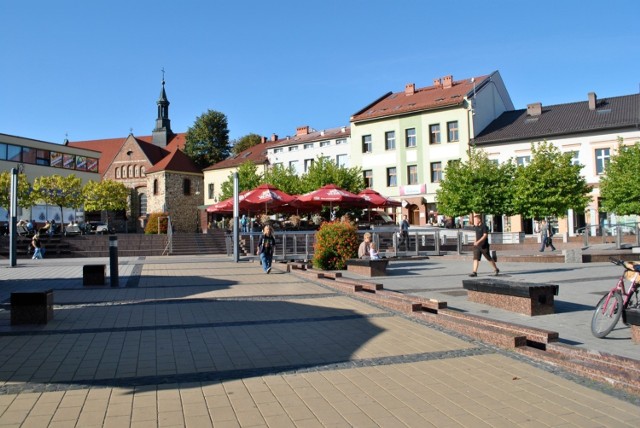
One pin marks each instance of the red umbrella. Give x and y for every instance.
(330, 195)
(267, 195)
(222, 206)
(375, 199)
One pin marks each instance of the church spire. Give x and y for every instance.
(162, 132)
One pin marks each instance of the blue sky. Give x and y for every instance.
(92, 69)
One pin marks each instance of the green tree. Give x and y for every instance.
(248, 178)
(550, 185)
(283, 178)
(108, 195)
(620, 187)
(58, 190)
(325, 171)
(243, 143)
(476, 186)
(207, 141)
(25, 199)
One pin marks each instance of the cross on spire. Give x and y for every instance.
(163, 75)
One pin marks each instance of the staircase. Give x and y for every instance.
(129, 245)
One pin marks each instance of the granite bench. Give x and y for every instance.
(632, 317)
(93, 274)
(31, 307)
(368, 267)
(521, 297)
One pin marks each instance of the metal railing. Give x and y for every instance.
(617, 233)
(168, 249)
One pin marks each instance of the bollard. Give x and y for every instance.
(113, 260)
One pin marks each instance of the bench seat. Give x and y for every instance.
(632, 317)
(521, 297)
(31, 307)
(368, 267)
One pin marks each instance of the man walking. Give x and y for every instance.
(404, 233)
(481, 246)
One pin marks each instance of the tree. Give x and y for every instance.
(207, 141)
(620, 187)
(107, 195)
(550, 185)
(475, 186)
(283, 178)
(243, 143)
(248, 178)
(58, 190)
(24, 191)
(325, 171)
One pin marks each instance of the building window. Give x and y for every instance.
(14, 153)
(412, 174)
(368, 178)
(341, 141)
(278, 150)
(142, 171)
(341, 161)
(117, 172)
(155, 186)
(434, 134)
(390, 140)
(523, 160)
(366, 144)
(293, 165)
(452, 131)
(308, 146)
(293, 148)
(135, 171)
(436, 172)
(142, 204)
(186, 187)
(130, 171)
(42, 157)
(325, 143)
(307, 164)
(602, 160)
(211, 190)
(410, 136)
(574, 157)
(392, 178)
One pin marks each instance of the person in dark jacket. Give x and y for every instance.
(481, 246)
(267, 248)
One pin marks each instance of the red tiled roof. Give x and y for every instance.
(109, 149)
(111, 146)
(175, 161)
(256, 154)
(427, 98)
(326, 134)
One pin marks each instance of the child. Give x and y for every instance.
(373, 254)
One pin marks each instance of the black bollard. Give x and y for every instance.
(113, 260)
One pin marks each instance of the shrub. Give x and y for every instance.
(152, 223)
(336, 242)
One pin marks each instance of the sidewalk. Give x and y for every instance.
(201, 341)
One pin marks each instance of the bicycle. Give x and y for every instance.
(612, 305)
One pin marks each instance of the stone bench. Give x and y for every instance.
(93, 274)
(368, 267)
(632, 317)
(31, 307)
(521, 297)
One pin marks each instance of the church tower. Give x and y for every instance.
(162, 133)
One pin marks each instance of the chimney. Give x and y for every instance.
(437, 83)
(593, 100)
(302, 130)
(534, 109)
(263, 140)
(447, 81)
(274, 137)
(343, 129)
(410, 89)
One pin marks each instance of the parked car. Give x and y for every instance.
(98, 227)
(72, 229)
(375, 218)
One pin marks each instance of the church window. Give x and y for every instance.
(186, 186)
(155, 186)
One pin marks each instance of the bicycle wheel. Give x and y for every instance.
(606, 315)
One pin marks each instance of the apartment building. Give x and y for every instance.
(404, 140)
(589, 129)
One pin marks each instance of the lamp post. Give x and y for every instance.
(13, 209)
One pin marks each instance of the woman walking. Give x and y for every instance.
(266, 248)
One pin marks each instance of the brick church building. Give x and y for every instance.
(161, 177)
